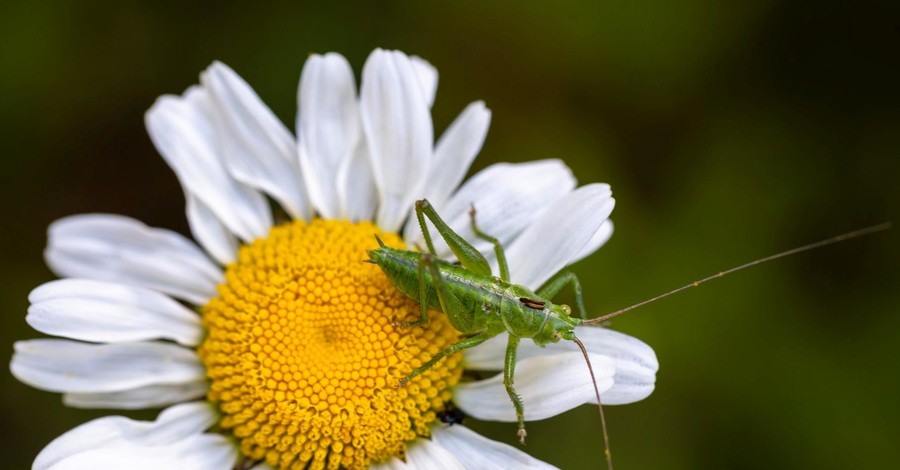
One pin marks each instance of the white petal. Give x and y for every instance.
(427, 76)
(397, 125)
(212, 234)
(507, 197)
(455, 151)
(150, 396)
(601, 236)
(59, 365)
(632, 383)
(636, 363)
(615, 344)
(477, 452)
(393, 464)
(109, 312)
(548, 385)
(121, 249)
(258, 149)
(171, 426)
(201, 452)
(356, 186)
(489, 355)
(261, 466)
(424, 454)
(185, 133)
(328, 127)
(558, 235)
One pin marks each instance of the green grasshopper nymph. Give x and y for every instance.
(482, 306)
(475, 302)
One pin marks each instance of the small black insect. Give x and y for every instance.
(452, 415)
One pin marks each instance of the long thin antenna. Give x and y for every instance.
(587, 360)
(839, 238)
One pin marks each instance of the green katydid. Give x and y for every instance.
(482, 306)
(476, 302)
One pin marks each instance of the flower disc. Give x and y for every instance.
(304, 356)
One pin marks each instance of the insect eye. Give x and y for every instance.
(567, 309)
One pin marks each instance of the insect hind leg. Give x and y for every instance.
(468, 256)
(424, 261)
(460, 317)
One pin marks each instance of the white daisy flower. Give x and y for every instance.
(269, 342)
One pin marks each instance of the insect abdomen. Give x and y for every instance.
(478, 294)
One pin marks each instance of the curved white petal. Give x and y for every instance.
(110, 312)
(397, 125)
(261, 466)
(120, 249)
(427, 76)
(328, 127)
(424, 454)
(209, 231)
(150, 396)
(475, 451)
(636, 363)
(202, 452)
(185, 133)
(548, 385)
(174, 424)
(259, 150)
(601, 236)
(489, 355)
(507, 197)
(559, 234)
(633, 382)
(356, 186)
(455, 151)
(59, 365)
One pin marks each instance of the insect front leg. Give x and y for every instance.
(468, 256)
(509, 369)
(556, 284)
(498, 248)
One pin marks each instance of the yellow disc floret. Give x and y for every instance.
(304, 356)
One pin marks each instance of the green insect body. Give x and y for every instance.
(482, 306)
(478, 304)
(489, 304)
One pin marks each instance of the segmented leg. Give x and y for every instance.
(423, 294)
(470, 258)
(509, 369)
(498, 248)
(460, 317)
(464, 344)
(556, 284)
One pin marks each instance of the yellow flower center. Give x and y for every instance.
(304, 358)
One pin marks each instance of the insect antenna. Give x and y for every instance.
(587, 360)
(819, 244)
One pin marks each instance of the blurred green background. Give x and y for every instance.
(727, 131)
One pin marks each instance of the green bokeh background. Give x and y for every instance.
(728, 131)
